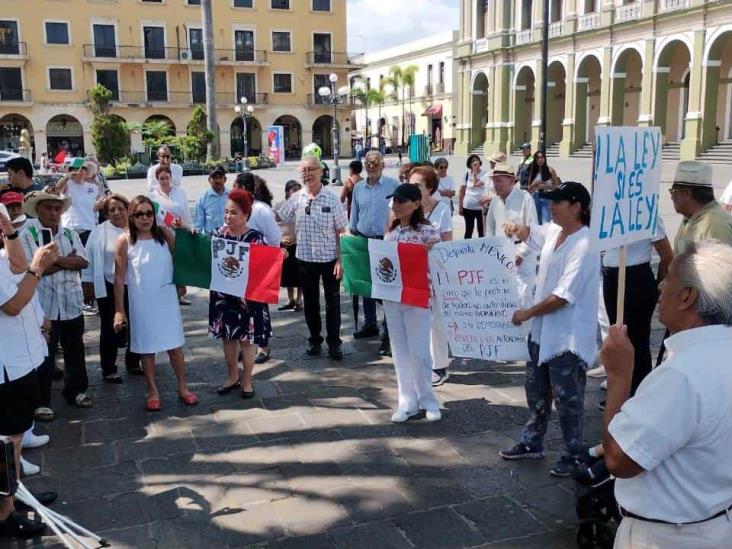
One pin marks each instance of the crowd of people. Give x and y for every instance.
(76, 248)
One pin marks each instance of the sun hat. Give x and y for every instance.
(32, 199)
(497, 157)
(692, 173)
(503, 168)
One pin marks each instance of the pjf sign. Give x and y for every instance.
(625, 196)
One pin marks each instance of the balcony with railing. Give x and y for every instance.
(163, 98)
(331, 59)
(524, 36)
(15, 96)
(629, 12)
(673, 5)
(344, 101)
(588, 21)
(14, 51)
(556, 29)
(96, 52)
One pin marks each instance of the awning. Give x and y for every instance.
(433, 111)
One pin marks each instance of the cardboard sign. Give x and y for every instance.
(625, 198)
(476, 295)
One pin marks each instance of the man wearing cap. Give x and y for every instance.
(13, 201)
(692, 194)
(61, 297)
(20, 176)
(209, 213)
(563, 330)
(369, 217)
(522, 172)
(165, 158)
(514, 205)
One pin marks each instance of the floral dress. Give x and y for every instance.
(234, 318)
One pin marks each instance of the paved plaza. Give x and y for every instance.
(313, 461)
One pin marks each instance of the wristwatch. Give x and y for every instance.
(32, 272)
(12, 236)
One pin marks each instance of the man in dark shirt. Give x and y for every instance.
(20, 176)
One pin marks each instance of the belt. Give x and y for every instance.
(639, 267)
(628, 514)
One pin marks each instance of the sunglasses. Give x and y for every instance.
(146, 213)
(308, 205)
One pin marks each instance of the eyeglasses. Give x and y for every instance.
(308, 170)
(146, 213)
(673, 190)
(307, 207)
(373, 164)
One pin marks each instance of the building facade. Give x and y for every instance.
(428, 105)
(665, 63)
(149, 53)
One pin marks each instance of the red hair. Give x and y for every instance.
(243, 199)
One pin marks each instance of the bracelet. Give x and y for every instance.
(12, 236)
(32, 272)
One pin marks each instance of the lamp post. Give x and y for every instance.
(330, 96)
(244, 111)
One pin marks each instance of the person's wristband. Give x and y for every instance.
(13, 236)
(32, 272)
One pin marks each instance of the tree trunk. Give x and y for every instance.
(208, 53)
(403, 120)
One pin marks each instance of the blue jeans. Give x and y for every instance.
(369, 314)
(543, 212)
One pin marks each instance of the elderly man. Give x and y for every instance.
(209, 213)
(320, 220)
(369, 217)
(692, 194)
(165, 158)
(61, 297)
(669, 445)
(514, 205)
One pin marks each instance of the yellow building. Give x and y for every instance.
(149, 53)
(665, 63)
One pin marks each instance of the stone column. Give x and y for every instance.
(536, 117)
(567, 143)
(691, 144)
(711, 93)
(606, 87)
(645, 116)
(617, 100)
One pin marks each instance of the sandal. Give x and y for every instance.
(261, 358)
(153, 405)
(189, 399)
(44, 414)
(82, 400)
(114, 378)
(226, 389)
(286, 307)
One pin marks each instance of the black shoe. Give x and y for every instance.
(44, 498)
(370, 330)
(226, 389)
(313, 349)
(261, 358)
(114, 378)
(335, 353)
(19, 526)
(565, 467)
(58, 373)
(247, 394)
(385, 349)
(286, 307)
(136, 371)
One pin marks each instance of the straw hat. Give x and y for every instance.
(497, 157)
(32, 199)
(693, 174)
(503, 168)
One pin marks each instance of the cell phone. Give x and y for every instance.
(46, 236)
(8, 471)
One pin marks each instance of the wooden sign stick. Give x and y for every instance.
(622, 259)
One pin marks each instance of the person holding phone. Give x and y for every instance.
(82, 214)
(61, 297)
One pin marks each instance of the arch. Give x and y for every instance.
(557, 91)
(293, 135)
(480, 105)
(523, 107)
(588, 83)
(254, 136)
(584, 61)
(673, 61)
(475, 76)
(626, 90)
(323, 133)
(622, 49)
(11, 126)
(64, 137)
(521, 71)
(717, 101)
(562, 60)
(661, 54)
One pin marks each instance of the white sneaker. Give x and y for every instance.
(400, 416)
(433, 415)
(603, 385)
(597, 372)
(32, 440)
(28, 468)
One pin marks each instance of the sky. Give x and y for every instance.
(374, 25)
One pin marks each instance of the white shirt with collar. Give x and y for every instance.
(678, 427)
(570, 272)
(474, 193)
(152, 182)
(637, 253)
(263, 219)
(518, 207)
(176, 203)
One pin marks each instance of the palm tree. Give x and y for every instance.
(367, 97)
(399, 78)
(210, 67)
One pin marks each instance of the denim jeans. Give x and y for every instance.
(543, 212)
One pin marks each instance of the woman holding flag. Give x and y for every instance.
(241, 323)
(144, 261)
(409, 326)
(171, 202)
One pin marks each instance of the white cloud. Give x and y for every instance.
(374, 25)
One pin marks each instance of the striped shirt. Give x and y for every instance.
(60, 293)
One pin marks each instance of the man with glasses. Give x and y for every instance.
(369, 217)
(320, 220)
(165, 158)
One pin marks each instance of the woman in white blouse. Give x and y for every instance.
(82, 215)
(475, 185)
(98, 282)
(170, 199)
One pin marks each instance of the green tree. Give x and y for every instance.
(110, 136)
(401, 78)
(156, 132)
(368, 97)
(198, 136)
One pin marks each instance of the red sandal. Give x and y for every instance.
(153, 405)
(190, 399)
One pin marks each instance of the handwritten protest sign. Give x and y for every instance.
(627, 173)
(476, 296)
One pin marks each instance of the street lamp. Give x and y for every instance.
(244, 111)
(330, 96)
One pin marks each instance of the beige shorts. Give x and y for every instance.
(641, 534)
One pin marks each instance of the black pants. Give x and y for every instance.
(71, 335)
(310, 275)
(641, 294)
(471, 216)
(109, 340)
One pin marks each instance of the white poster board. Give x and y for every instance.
(627, 173)
(476, 295)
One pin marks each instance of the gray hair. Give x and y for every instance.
(376, 152)
(706, 266)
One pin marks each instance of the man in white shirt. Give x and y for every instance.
(669, 444)
(514, 205)
(165, 158)
(562, 336)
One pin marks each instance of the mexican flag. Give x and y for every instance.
(393, 271)
(240, 269)
(164, 217)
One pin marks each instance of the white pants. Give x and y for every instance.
(409, 335)
(641, 534)
(525, 281)
(438, 343)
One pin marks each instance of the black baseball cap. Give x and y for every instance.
(291, 184)
(572, 191)
(405, 192)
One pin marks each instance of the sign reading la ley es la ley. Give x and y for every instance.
(625, 197)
